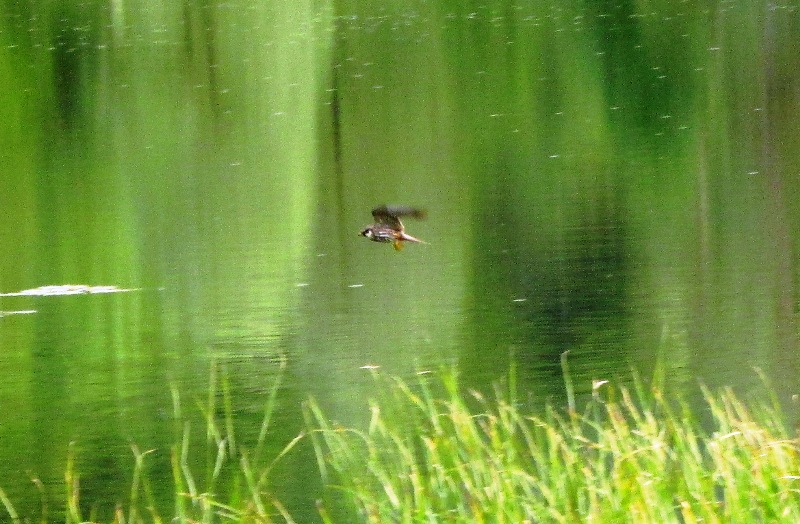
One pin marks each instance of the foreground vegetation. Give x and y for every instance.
(433, 452)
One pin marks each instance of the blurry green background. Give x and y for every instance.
(617, 179)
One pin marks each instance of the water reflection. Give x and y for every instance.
(603, 180)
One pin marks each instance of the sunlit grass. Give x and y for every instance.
(231, 484)
(630, 455)
(435, 452)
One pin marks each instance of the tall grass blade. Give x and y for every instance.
(71, 482)
(12, 513)
(230, 434)
(269, 407)
(568, 383)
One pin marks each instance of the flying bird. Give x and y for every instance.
(389, 228)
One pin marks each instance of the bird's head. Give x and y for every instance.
(367, 233)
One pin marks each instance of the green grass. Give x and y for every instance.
(628, 456)
(433, 452)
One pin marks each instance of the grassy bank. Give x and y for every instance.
(628, 456)
(433, 452)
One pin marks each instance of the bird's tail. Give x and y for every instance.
(408, 238)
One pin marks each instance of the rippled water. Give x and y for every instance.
(619, 185)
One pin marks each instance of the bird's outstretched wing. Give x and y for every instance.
(390, 215)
